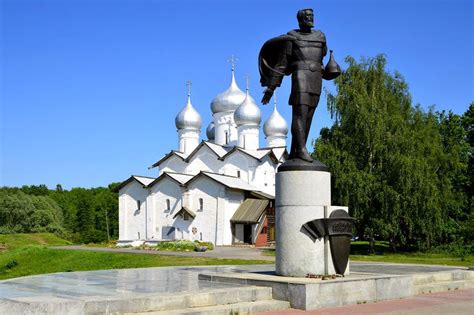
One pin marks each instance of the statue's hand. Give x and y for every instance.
(267, 95)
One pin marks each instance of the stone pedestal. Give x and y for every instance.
(302, 194)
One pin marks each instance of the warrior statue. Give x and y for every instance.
(299, 53)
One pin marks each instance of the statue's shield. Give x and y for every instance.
(339, 228)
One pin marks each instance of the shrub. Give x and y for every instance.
(182, 245)
(11, 264)
(209, 245)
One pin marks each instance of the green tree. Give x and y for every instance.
(47, 217)
(394, 164)
(40, 190)
(16, 210)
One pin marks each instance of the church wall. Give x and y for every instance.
(206, 221)
(188, 140)
(162, 217)
(173, 164)
(204, 160)
(248, 137)
(264, 177)
(131, 218)
(225, 129)
(233, 201)
(238, 161)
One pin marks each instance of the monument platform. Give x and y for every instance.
(218, 289)
(369, 283)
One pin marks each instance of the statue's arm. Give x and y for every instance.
(281, 66)
(277, 72)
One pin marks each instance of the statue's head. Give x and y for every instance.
(305, 18)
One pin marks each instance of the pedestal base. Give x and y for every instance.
(302, 196)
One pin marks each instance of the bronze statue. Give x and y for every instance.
(299, 53)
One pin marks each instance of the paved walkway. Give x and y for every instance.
(454, 302)
(218, 252)
(65, 292)
(69, 289)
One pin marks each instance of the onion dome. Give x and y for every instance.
(248, 113)
(230, 99)
(188, 117)
(275, 124)
(211, 131)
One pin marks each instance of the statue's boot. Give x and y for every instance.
(299, 131)
(304, 155)
(298, 150)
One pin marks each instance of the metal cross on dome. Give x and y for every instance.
(189, 83)
(233, 60)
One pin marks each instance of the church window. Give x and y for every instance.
(201, 204)
(226, 137)
(238, 174)
(168, 205)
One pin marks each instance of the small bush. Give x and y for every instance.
(182, 245)
(11, 264)
(177, 245)
(209, 245)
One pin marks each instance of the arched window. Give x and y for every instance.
(238, 174)
(168, 205)
(201, 204)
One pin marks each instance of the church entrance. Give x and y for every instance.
(248, 233)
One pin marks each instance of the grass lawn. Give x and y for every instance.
(27, 254)
(358, 250)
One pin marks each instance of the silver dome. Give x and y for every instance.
(248, 113)
(188, 117)
(229, 100)
(211, 131)
(275, 125)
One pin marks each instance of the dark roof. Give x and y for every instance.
(143, 180)
(167, 156)
(203, 143)
(167, 175)
(238, 149)
(250, 211)
(184, 210)
(232, 182)
(221, 155)
(262, 195)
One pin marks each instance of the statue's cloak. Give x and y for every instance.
(269, 57)
(272, 69)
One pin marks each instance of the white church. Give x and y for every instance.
(219, 190)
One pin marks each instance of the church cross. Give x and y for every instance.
(189, 83)
(247, 80)
(233, 60)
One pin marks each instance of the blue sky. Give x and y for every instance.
(90, 89)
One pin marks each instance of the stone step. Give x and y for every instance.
(170, 302)
(455, 275)
(236, 308)
(443, 286)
